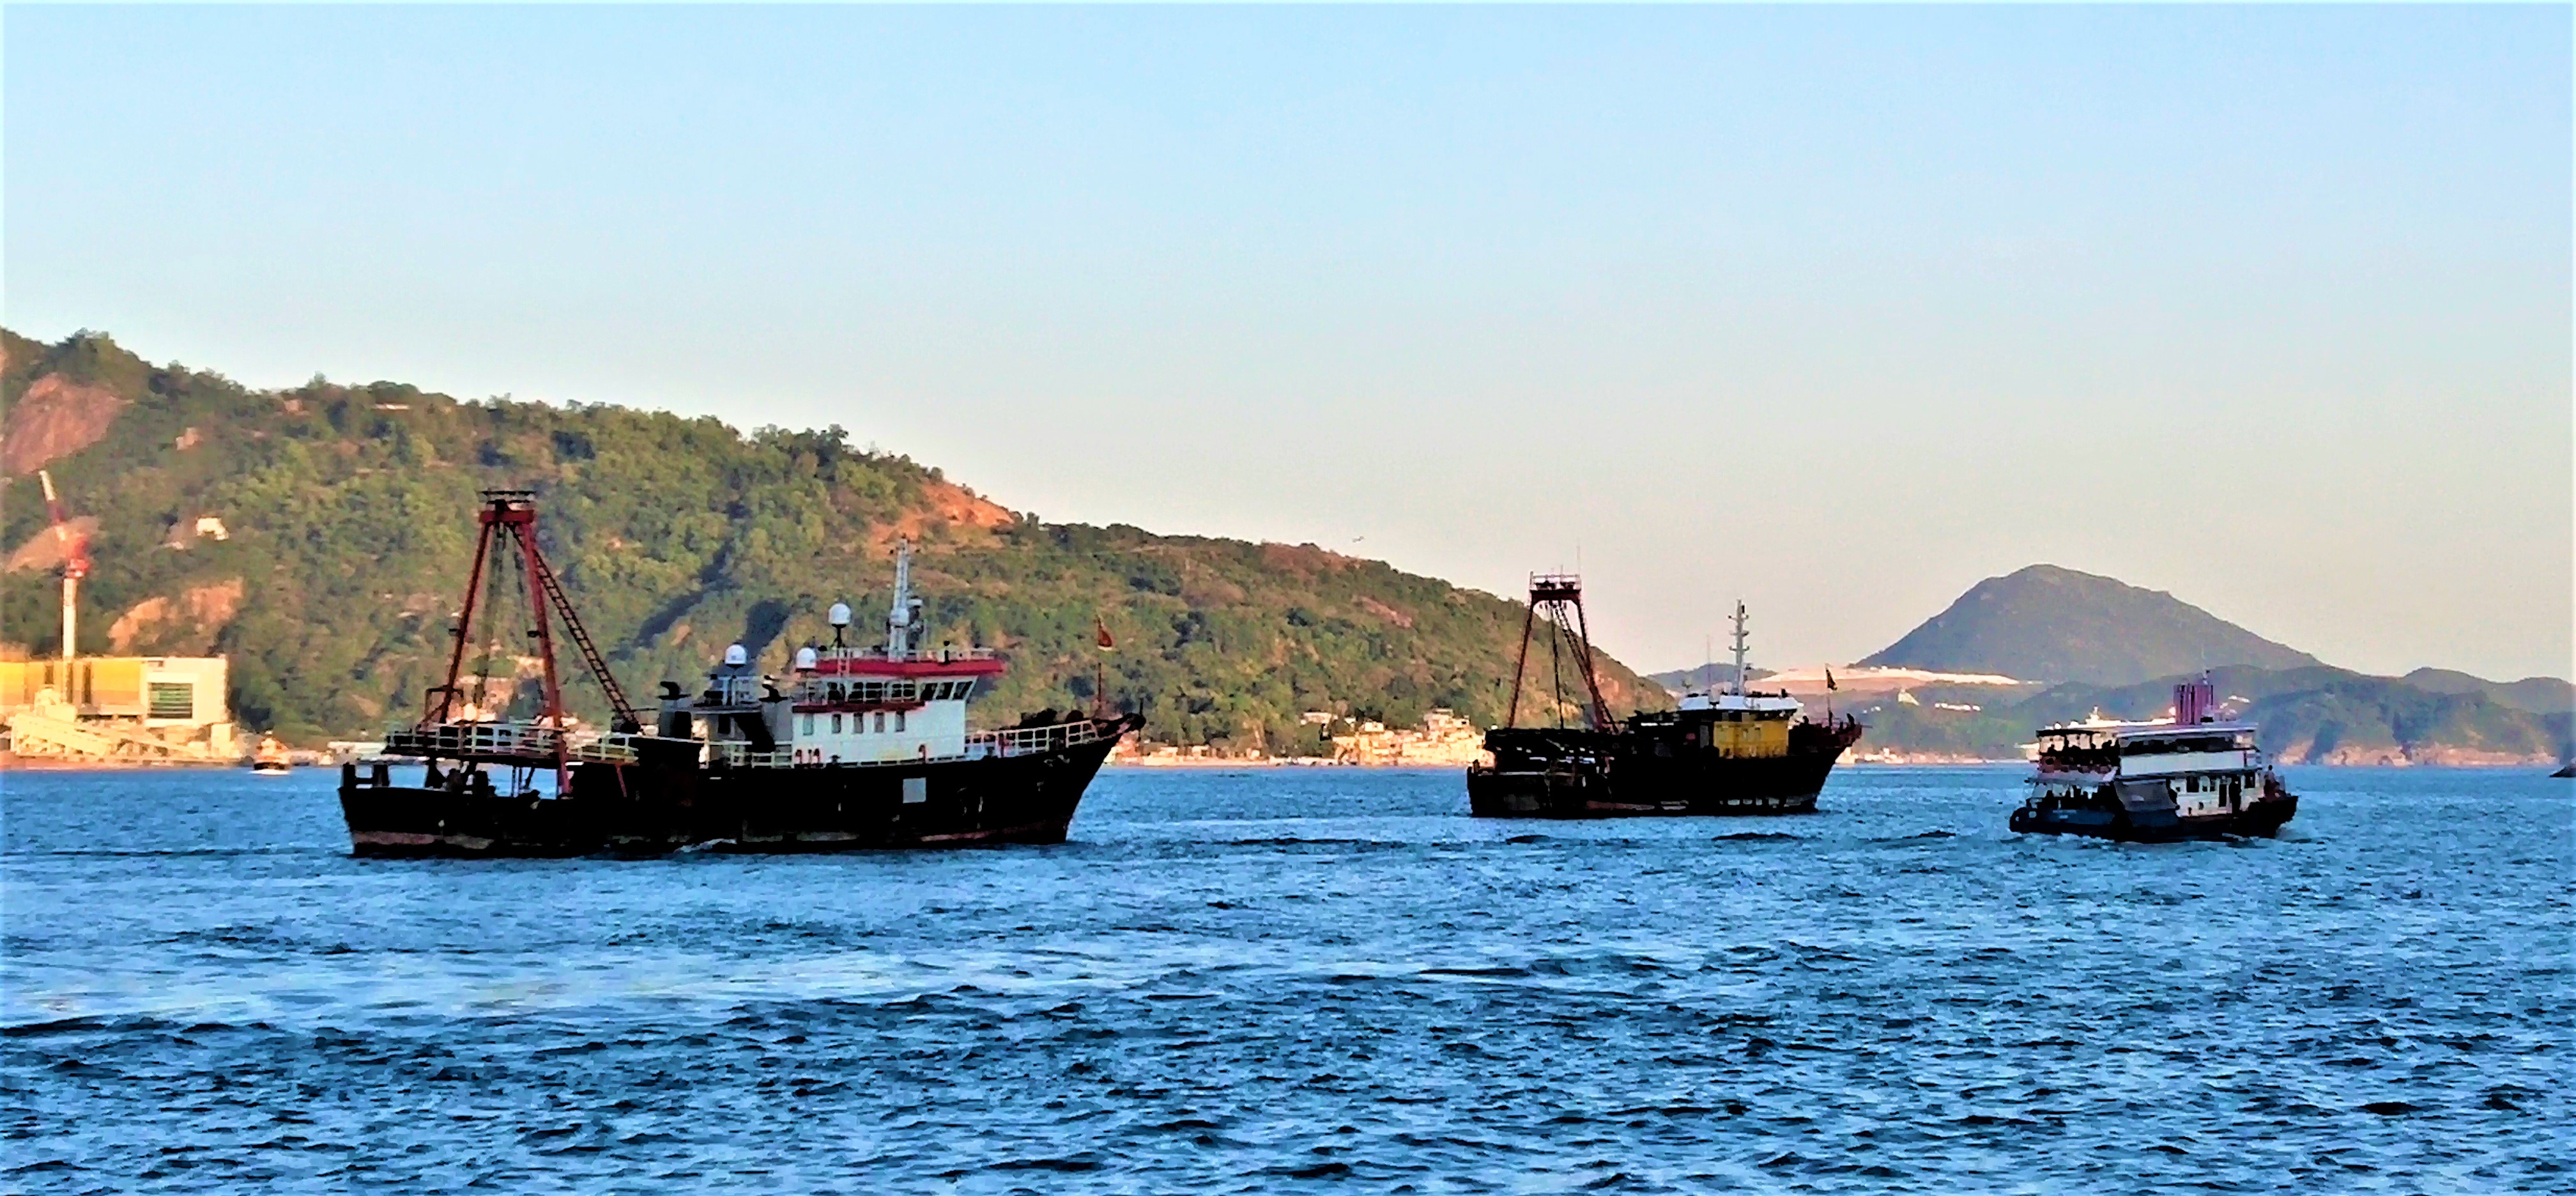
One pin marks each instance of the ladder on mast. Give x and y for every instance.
(589, 651)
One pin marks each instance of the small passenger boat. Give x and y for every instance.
(2191, 776)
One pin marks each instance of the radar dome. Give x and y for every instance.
(735, 655)
(840, 615)
(805, 660)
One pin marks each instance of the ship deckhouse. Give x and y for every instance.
(886, 704)
(1735, 722)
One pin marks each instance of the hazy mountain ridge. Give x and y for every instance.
(1701, 676)
(348, 522)
(2045, 623)
(2313, 715)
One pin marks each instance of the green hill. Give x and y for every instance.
(346, 523)
(2539, 695)
(2044, 623)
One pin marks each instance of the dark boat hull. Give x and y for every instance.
(643, 809)
(2260, 819)
(1607, 776)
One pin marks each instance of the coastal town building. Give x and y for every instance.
(1445, 739)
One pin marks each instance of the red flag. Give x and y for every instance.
(1829, 678)
(1106, 643)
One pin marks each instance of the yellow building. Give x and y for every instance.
(134, 708)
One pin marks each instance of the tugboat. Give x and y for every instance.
(2188, 777)
(858, 748)
(1732, 752)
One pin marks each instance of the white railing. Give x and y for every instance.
(535, 743)
(735, 754)
(877, 655)
(1020, 741)
(983, 745)
(512, 741)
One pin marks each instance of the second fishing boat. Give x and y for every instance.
(1720, 752)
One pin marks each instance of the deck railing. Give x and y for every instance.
(982, 745)
(1020, 741)
(526, 742)
(533, 743)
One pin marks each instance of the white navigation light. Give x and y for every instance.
(840, 615)
(735, 655)
(804, 660)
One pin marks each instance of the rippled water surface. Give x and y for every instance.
(1284, 979)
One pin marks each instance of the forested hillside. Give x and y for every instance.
(319, 537)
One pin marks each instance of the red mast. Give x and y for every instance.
(513, 514)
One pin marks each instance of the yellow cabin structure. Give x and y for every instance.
(1741, 728)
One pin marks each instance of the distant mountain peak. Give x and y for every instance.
(2052, 623)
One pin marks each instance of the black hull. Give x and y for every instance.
(2261, 819)
(1618, 782)
(646, 810)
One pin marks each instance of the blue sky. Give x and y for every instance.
(1835, 309)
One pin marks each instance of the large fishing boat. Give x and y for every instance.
(854, 748)
(2193, 776)
(1720, 752)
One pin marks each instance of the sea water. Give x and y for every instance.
(1268, 980)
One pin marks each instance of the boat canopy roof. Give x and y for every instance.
(1760, 703)
(2125, 732)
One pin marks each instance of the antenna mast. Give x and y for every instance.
(899, 616)
(1739, 647)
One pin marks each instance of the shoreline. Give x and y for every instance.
(32, 764)
(53, 764)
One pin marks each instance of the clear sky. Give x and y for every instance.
(1835, 309)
